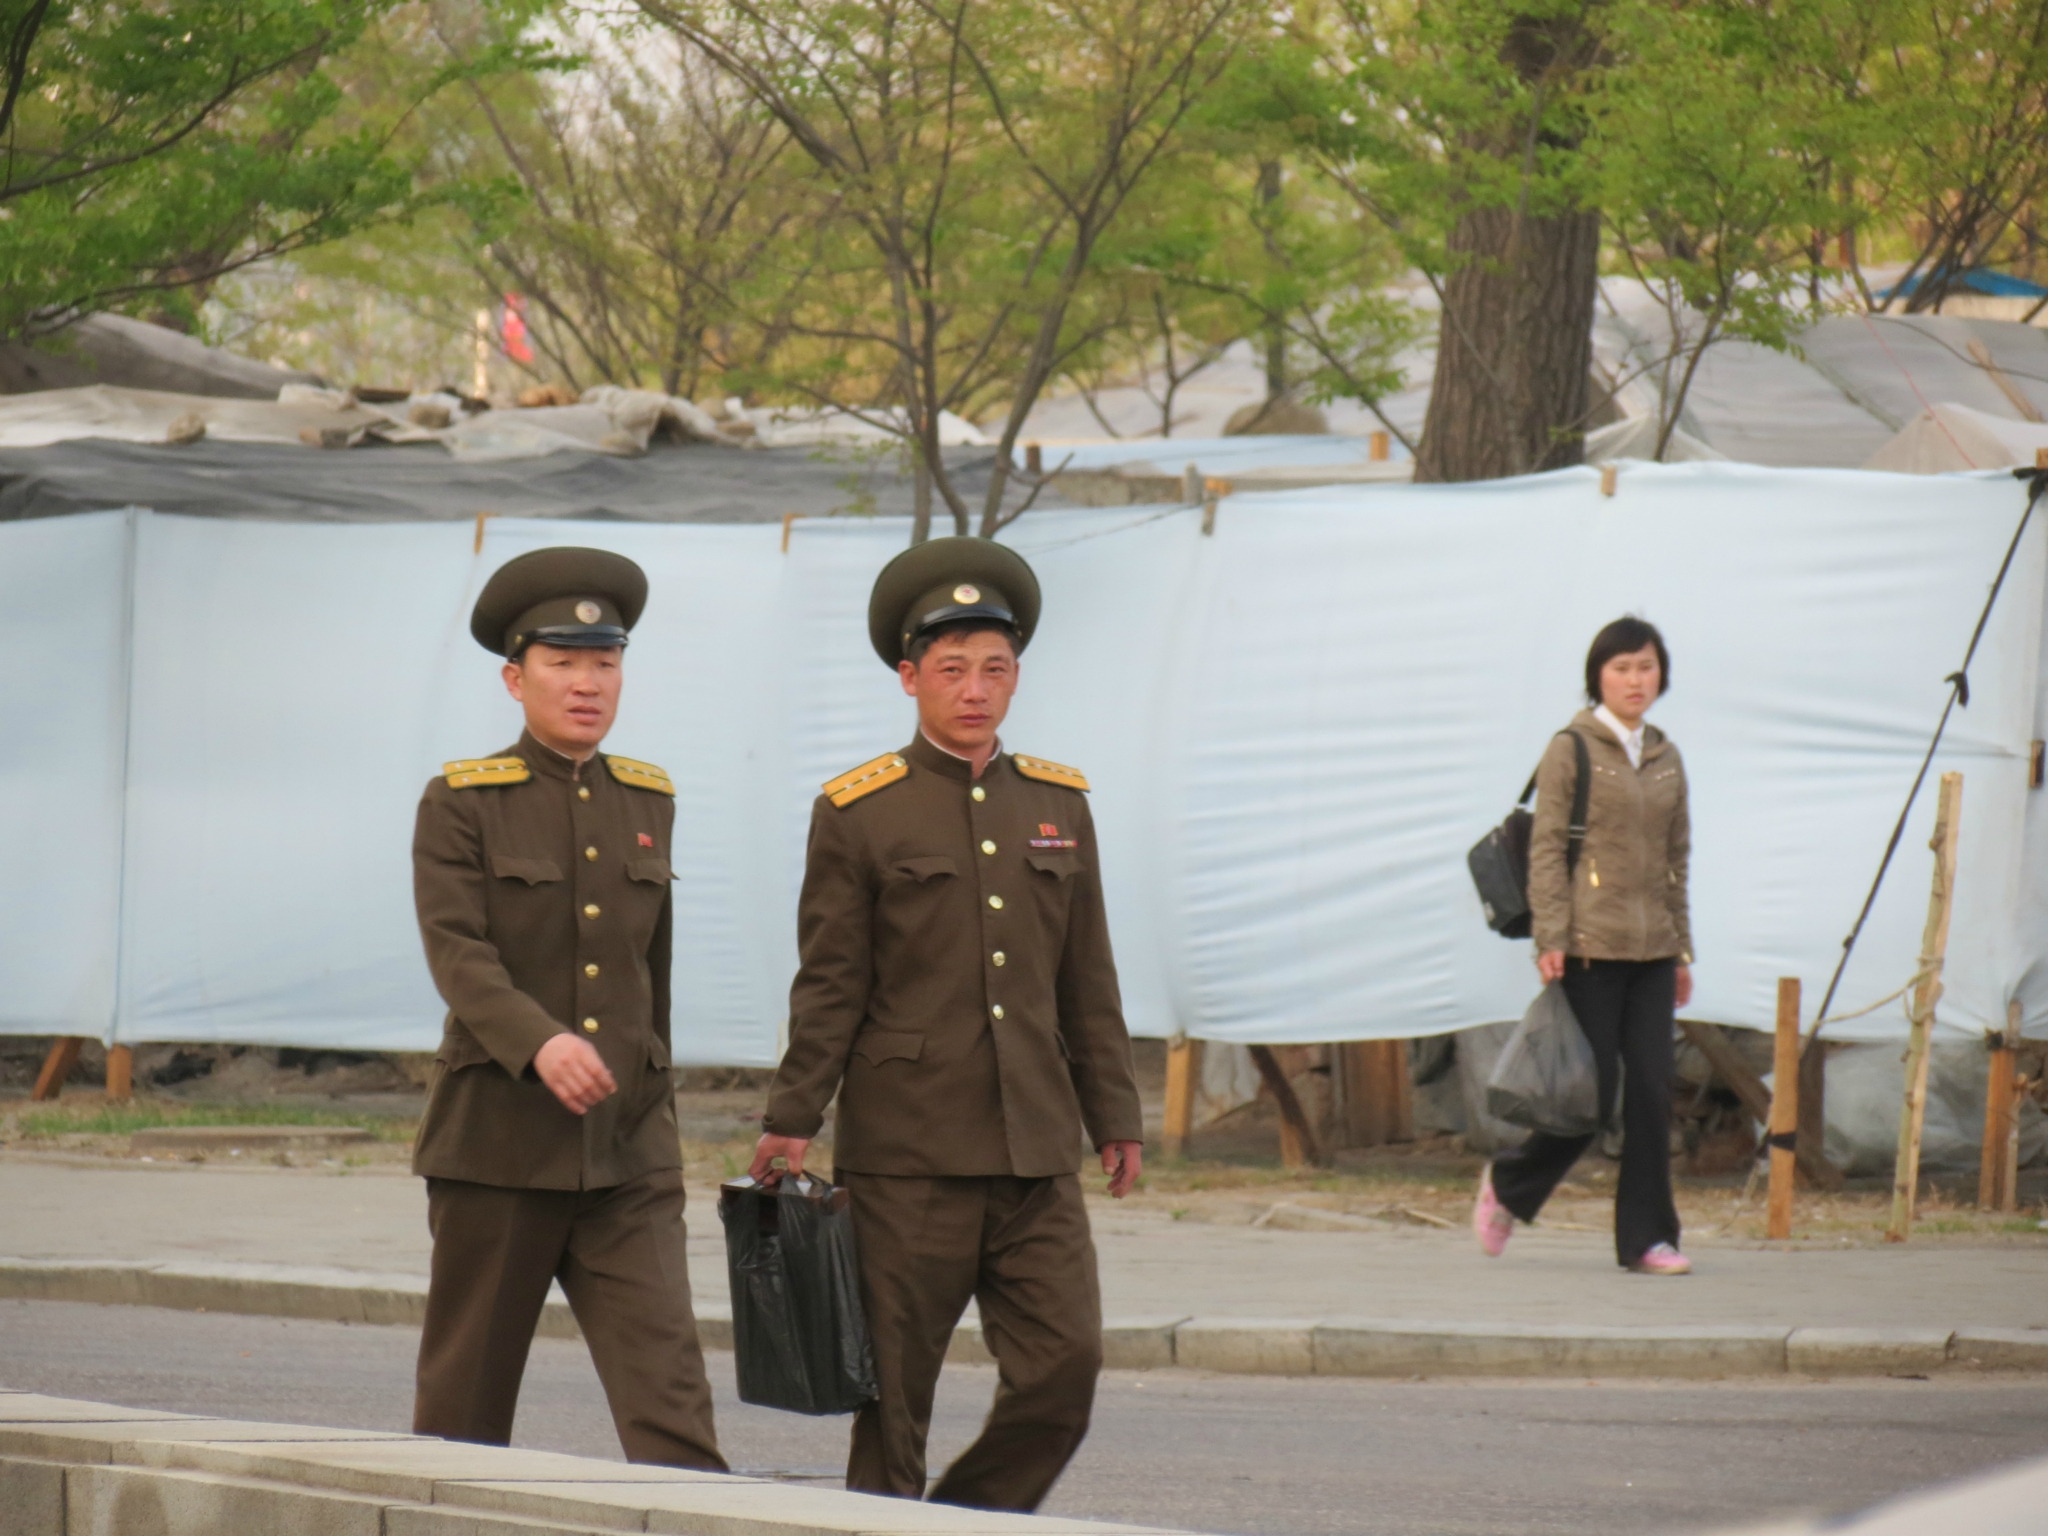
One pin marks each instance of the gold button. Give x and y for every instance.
(999, 957)
(987, 846)
(590, 853)
(996, 902)
(590, 1026)
(978, 792)
(592, 910)
(997, 1010)
(583, 792)
(590, 969)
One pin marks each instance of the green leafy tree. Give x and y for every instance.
(148, 149)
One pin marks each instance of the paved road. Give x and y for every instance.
(1151, 1264)
(1256, 1456)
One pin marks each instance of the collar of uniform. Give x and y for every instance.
(545, 760)
(926, 753)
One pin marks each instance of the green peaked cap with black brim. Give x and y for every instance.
(945, 581)
(580, 599)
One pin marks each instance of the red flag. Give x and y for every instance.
(512, 330)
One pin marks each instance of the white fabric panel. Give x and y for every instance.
(1295, 729)
(1375, 688)
(64, 698)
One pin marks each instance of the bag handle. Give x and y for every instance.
(1575, 832)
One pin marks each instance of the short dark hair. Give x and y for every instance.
(959, 629)
(1624, 637)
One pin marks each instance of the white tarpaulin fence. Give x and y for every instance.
(217, 731)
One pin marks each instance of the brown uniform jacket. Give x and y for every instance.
(956, 985)
(544, 906)
(1626, 900)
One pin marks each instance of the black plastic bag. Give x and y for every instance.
(1545, 1077)
(799, 1335)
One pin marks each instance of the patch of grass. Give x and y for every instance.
(145, 1115)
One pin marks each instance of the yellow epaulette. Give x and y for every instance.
(1049, 773)
(640, 775)
(866, 779)
(481, 772)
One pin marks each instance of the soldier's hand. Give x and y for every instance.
(1123, 1161)
(790, 1149)
(574, 1073)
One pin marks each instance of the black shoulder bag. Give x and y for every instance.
(1499, 861)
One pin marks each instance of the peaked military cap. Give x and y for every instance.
(566, 596)
(943, 581)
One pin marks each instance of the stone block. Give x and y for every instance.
(780, 1509)
(1245, 1346)
(35, 1408)
(1139, 1343)
(1371, 1347)
(422, 1520)
(103, 1283)
(2000, 1349)
(407, 1468)
(137, 1501)
(714, 1327)
(1866, 1351)
(77, 1442)
(31, 1497)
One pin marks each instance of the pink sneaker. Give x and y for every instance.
(1662, 1259)
(1491, 1220)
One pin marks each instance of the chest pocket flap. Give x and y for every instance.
(876, 1046)
(1058, 865)
(532, 871)
(929, 867)
(654, 871)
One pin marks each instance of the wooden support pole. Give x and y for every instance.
(120, 1074)
(56, 1067)
(1299, 1145)
(1998, 1178)
(1948, 815)
(1375, 1092)
(1183, 1073)
(1784, 1121)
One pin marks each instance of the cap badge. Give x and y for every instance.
(588, 612)
(966, 592)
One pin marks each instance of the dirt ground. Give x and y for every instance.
(1232, 1174)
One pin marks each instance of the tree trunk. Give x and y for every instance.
(1514, 347)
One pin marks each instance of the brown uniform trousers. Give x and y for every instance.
(958, 993)
(1021, 1249)
(543, 895)
(620, 1256)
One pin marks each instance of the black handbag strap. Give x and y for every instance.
(1575, 832)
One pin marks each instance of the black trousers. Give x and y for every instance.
(1626, 1009)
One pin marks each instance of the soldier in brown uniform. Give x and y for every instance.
(549, 1142)
(957, 991)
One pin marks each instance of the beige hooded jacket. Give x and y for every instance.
(1626, 900)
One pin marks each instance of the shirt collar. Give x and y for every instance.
(546, 761)
(1631, 740)
(927, 753)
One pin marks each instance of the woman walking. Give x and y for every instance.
(1615, 930)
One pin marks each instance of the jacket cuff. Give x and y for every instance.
(514, 1043)
(800, 1125)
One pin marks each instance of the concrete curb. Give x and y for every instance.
(72, 1468)
(1384, 1347)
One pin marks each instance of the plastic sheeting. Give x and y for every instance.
(1295, 727)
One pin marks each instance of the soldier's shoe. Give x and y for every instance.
(1491, 1220)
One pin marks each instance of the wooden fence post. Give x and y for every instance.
(1926, 994)
(1183, 1073)
(1375, 1095)
(2000, 1107)
(57, 1066)
(120, 1074)
(1300, 1147)
(1785, 1129)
